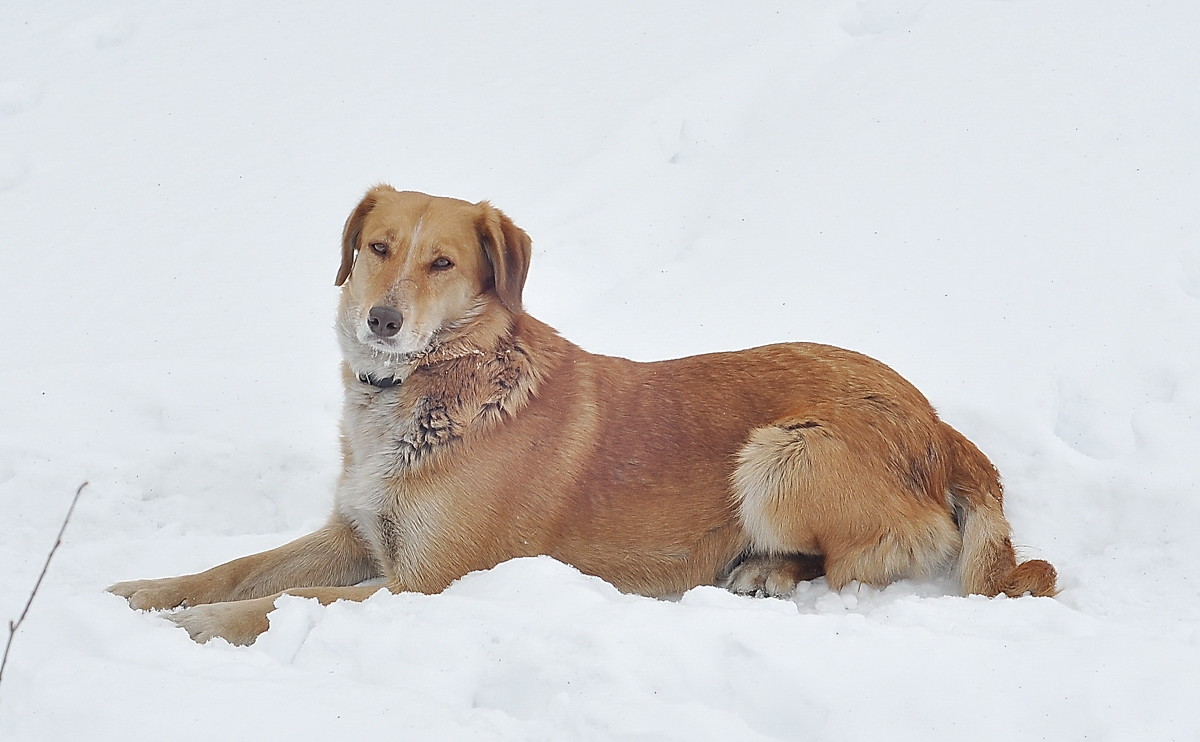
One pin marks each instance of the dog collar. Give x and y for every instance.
(379, 383)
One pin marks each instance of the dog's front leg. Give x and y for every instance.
(332, 556)
(241, 621)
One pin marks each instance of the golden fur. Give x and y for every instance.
(472, 433)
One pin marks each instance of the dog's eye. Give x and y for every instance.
(441, 264)
(380, 249)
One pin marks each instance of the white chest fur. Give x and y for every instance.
(386, 437)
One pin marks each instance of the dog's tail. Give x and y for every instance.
(987, 564)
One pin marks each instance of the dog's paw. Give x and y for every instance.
(237, 622)
(773, 576)
(158, 595)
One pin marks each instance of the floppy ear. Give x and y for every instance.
(508, 249)
(352, 231)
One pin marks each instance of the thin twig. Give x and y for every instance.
(14, 625)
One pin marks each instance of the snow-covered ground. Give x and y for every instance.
(997, 197)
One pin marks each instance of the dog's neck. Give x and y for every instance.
(457, 390)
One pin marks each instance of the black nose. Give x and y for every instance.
(384, 321)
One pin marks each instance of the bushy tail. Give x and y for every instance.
(987, 564)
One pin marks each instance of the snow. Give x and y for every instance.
(996, 197)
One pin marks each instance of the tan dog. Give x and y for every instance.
(472, 434)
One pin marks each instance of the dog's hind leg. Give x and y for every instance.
(869, 499)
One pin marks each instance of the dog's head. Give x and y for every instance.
(417, 269)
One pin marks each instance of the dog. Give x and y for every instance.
(473, 434)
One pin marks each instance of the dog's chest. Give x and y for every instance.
(383, 491)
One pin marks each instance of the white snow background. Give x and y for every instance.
(999, 198)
